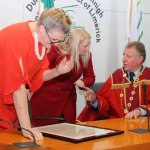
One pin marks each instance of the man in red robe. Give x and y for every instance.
(123, 94)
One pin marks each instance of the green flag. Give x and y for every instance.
(48, 3)
(43, 4)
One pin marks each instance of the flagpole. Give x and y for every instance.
(130, 20)
(39, 3)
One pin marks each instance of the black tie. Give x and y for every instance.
(131, 75)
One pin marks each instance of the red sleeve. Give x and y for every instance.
(88, 73)
(103, 97)
(13, 75)
(89, 113)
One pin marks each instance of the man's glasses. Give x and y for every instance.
(50, 39)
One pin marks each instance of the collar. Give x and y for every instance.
(136, 72)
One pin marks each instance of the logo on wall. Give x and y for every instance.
(30, 10)
(84, 13)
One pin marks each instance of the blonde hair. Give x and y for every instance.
(77, 37)
(55, 18)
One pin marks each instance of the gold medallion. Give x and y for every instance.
(121, 95)
(129, 104)
(131, 98)
(133, 92)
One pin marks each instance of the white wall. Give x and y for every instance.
(107, 56)
(11, 11)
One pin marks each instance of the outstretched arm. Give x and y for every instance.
(20, 103)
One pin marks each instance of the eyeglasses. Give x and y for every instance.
(50, 39)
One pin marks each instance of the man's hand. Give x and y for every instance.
(65, 66)
(89, 94)
(133, 114)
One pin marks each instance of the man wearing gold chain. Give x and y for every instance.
(122, 95)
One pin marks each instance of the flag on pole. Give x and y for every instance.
(134, 20)
(43, 4)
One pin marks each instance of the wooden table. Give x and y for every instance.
(128, 140)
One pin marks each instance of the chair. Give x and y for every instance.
(60, 119)
(96, 86)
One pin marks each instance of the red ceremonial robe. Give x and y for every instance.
(19, 65)
(119, 96)
(58, 96)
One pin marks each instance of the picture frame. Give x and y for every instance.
(76, 133)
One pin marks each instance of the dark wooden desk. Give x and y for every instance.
(128, 140)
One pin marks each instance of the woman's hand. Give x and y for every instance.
(38, 135)
(79, 83)
(65, 66)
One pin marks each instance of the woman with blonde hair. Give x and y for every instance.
(23, 62)
(57, 97)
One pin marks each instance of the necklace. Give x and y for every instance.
(128, 105)
(36, 48)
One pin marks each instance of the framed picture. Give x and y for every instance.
(76, 132)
